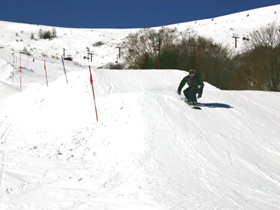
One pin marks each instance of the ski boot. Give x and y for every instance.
(192, 102)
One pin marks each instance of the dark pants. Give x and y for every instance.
(190, 94)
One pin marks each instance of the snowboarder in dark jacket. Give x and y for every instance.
(195, 87)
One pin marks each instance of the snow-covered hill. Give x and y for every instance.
(17, 36)
(148, 150)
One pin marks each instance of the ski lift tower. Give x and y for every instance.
(158, 39)
(235, 36)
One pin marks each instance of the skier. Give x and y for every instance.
(195, 86)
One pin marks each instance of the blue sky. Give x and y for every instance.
(120, 13)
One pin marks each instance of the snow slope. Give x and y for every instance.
(148, 150)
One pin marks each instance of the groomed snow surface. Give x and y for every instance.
(149, 149)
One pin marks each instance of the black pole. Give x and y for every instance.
(235, 37)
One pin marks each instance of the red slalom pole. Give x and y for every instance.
(196, 61)
(91, 82)
(46, 73)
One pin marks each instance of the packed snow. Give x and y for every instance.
(148, 150)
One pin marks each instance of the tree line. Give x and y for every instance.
(257, 67)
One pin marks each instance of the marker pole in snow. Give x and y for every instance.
(91, 82)
(20, 80)
(46, 73)
(64, 68)
(15, 65)
(13, 73)
(196, 61)
(20, 71)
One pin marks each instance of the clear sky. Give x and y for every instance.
(120, 13)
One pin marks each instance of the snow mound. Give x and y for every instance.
(149, 150)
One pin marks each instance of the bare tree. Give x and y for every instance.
(141, 47)
(263, 53)
(179, 51)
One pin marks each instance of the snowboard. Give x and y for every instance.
(192, 106)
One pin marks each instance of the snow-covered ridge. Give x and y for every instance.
(75, 41)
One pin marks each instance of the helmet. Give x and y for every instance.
(191, 73)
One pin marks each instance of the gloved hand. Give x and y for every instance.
(179, 92)
(199, 96)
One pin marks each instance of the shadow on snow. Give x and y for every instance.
(214, 105)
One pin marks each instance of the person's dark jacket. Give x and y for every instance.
(195, 82)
